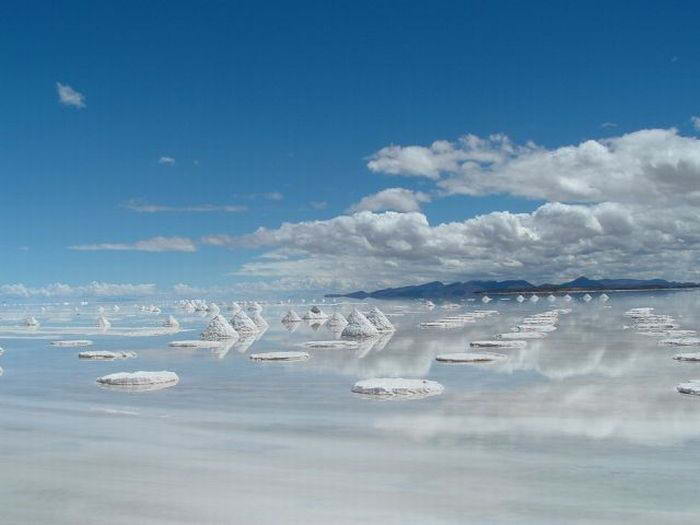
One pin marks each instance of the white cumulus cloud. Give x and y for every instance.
(396, 199)
(155, 244)
(69, 96)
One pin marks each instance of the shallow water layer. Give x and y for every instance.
(582, 426)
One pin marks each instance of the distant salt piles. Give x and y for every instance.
(587, 298)
(102, 322)
(171, 322)
(358, 326)
(291, 317)
(551, 298)
(429, 305)
(486, 299)
(101, 310)
(567, 298)
(102, 355)
(189, 307)
(379, 320)
(31, 322)
(315, 313)
(218, 329)
(255, 307)
(534, 298)
(520, 298)
(235, 307)
(603, 297)
(243, 324)
(115, 308)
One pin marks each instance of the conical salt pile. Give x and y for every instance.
(604, 297)
(337, 319)
(102, 322)
(259, 320)
(235, 307)
(567, 298)
(115, 308)
(587, 297)
(31, 321)
(359, 326)
(255, 307)
(520, 298)
(214, 309)
(379, 320)
(171, 322)
(551, 298)
(243, 324)
(189, 308)
(219, 328)
(291, 317)
(315, 313)
(534, 298)
(486, 299)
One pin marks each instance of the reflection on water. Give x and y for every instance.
(582, 426)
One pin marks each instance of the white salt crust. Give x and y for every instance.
(398, 387)
(280, 356)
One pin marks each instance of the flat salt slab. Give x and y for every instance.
(535, 328)
(139, 380)
(471, 357)
(522, 335)
(691, 387)
(399, 387)
(101, 355)
(72, 343)
(681, 341)
(280, 356)
(498, 344)
(333, 345)
(687, 357)
(195, 343)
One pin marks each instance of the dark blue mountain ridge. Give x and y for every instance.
(439, 290)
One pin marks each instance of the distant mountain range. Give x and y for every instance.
(438, 290)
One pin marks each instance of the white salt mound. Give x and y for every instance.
(195, 343)
(102, 355)
(71, 343)
(534, 298)
(681, 341)
(255, 307)
(214, 309)
(138, 379)
(522, 335)
(691, 387)
(520, 298)
(486, 299)
(259, 321)
(358, 326)
(337, 319)
(379, 320)
(31, 321)
(280, 356)
(551, 298)
(243, 324)
(498, 344)
(219, 328)
(535, 328)
(291, 317)
(687, 357)
(315, 313)
(235, 308)
(567, 298)
(587, 297)
(603, 297)
(102, 322)
(393, 387)
(471, 357)
(2, 350)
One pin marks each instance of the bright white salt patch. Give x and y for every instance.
(332, 345)
(243, 324)
(681, 341)
(291, 317)
(72, 343)
(587, 297)
(603, 297)
(171, 322)
(486, 299)
(219, 328)
(106, 356)
(31, 321)
(379, 320)
(195, 343)
(392, 387)
(691, 387)
(535, 328)
(137, 380)
(102, 322)
(359, 326)
(498, 344)
(534, 298)
(471, 357)
(687, 357)
(520, 298)
(522, 335)
(280, 356)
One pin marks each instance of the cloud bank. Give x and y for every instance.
(155, 244)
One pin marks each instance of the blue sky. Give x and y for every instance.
(256, 101)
